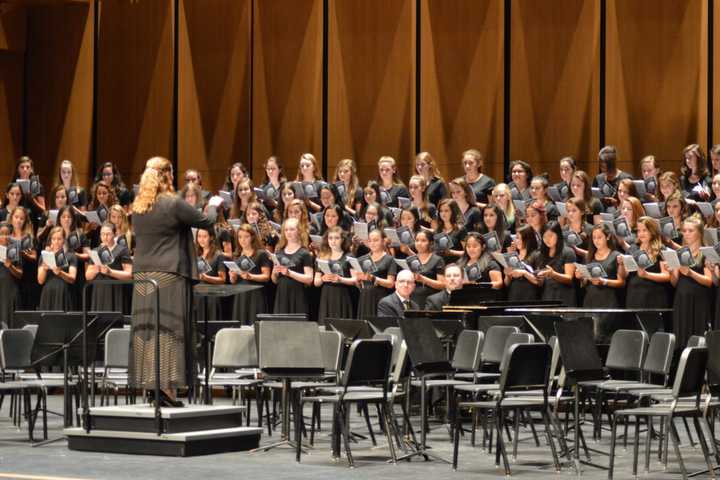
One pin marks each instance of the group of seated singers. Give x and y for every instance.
(338, 249)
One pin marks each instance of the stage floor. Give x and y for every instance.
(19, 460)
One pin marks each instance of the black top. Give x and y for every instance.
(163, 237)
(296, 261)
(436, 191)
(389, 197)
(482, 187)
(472, 218)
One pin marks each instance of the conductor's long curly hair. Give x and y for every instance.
(156, 180)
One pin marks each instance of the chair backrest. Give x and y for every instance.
(331, 343)
(696, 341)
(514, 339)
(556, 363)
(16, 349)
(399, 368)
(235, 348)
(660, 353)
(528, 366)
(395, 331)
(627, 350)
(495, 341)
(467, 351)
(32, 328)
(368, 363)
(117, 348)
(690, 375)
(713, 365)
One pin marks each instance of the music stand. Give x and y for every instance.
(582, 363)
(20, 318)
(474, 294)
(379, 324)
(204, 290)
(428, 359)
(58, 341)
(288, 350)
(351, 329)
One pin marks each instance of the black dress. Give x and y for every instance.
(9, 294)
(209, 308)
(482, 188)
(600, 296)
(371, 294)
(520, 289)
(554, 290)
(112, 298)
(389, 197)
(457, 236)
(247, 305)
(479, 272)
(291, 295)
(335, 298)
(431, 269)
(436, 191)
(645, 293)
(692, 307)
(472, 218)
(29, 287)
(56, 293)
(76, 242)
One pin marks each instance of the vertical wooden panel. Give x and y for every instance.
(656, 79)
(287, 82)
(554, 85)
(60, 88)
(12, 61)
(462, 82)
(213, 87)
(371, 83)
(135, 84)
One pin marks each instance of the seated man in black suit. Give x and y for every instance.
(453, 281)
(395, 304)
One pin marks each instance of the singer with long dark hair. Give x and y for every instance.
(165, 253)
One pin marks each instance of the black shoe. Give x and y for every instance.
(166, 401)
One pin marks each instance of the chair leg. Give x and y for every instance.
(456, 440)
(532, 428)
(636, 445)
(516, 433)
(388, 435)
(298, 434)
(613, 438)
(501, 443)
(366, 414)
(346, 435)
(672, 432)
(687, 429)
(704, 446)
(548, 434)
(648, 443)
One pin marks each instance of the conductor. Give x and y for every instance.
(164, 252)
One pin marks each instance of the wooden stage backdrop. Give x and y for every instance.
(212, 82)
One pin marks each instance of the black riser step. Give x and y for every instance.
(169, 425)
(174, 448)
